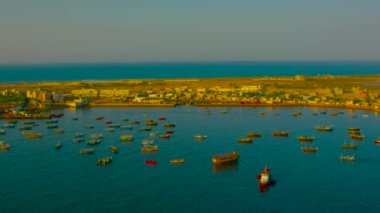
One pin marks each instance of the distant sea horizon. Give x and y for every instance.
(12, 73)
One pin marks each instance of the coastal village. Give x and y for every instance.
(330, 91)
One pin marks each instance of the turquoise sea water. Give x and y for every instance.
(66, 72)
(35, 177)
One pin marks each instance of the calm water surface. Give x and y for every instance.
(35, 177)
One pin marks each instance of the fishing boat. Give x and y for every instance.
(147, 142)
(145, 128)
(323, 112)
(177, 161)
(151, 162)
(29, 122)
(99, 118)
(114, 125)
(149, 148)
(162, 119)
(169, 125)
(280, 134)
(51, 126)
(153, 134)
(78, 140)
(126, 127)
(78, 135)
(261, 113)
(245, 140)
(59, 131)
(223, 112)
(309, 149)
(31, 134)
(94, 141)
(264, 177)
(58, 145)
(104, 161)
(355, 129)
(89, 126)
(349, 146)
(86, 151)
(124, 138)
(4, 146)
(52, 121)
(2, 132)
(347, 157)
(169, 132)
(357, 136)
(225, 158)
(25, 128)
(96, 136)
(74, 118)
(113, 149)
(200, 137)
(151, 123)
(333, 114)
(305, 139)
(296, 114)
(110, 129)
(324, 128)
(9, 125)
(377, 141)
(254, 134)
(108, 122)
(164, 136)
(134, 122)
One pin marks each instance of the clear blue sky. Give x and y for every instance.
(50, 31)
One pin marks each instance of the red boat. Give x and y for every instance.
(162, 119)
(108, 122)
(264, 180)
(99, 118)
(169, 132)
(377, 141)
(151, 162)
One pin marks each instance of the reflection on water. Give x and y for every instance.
(225, 167)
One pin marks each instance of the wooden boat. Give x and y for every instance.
(134, 122)
(151, 123)
(25, 128)
(254, 134)
(280, 134)
(51, 126)
(347, 157)
(104, 161)
(149, 148)
(151, 162)
(333, 114)
(113, 149)
(245, 140)
(357, 136)
(2, 132)
(124, 138)
(110, 129)
(114, 125)
(94, 141)
(99, 118)
(145, 128)
(177, 161)
(58, 145)
(96, 136)
(126, 127)
(377, 141)
(78, 140)
(4, 146)
(162, 119)
(52, 121)
(164, 136)
(31, 134)
(355, 129)
(147, 142)
(9, 125)
(349, 146)
(78, 135)
(108, 122)
(86, 151)
(309, 149)
(305, 139)
(296, 114)
(29, 122)
(200, 137)
(59, 131)
(169, 132)
(223, 112)
(324, 128)
(169, 125)
(261, 113)
(153, 134)
(225, 158)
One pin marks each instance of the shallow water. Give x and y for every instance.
(36, 177)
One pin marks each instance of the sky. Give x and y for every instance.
(76, 31)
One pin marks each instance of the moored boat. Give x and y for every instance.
(127, 138)
(254, 134)
(9, 125)
(114, 125)
(31, 134)
(89, 126)
(58, 145)
(309, 149)
(324, 128)
(162, 119)
(149, 148)
(147, 142)
(357, 136)
(153, 134)
(110, 129)
(2, 132)
(4, 146)
(52, 121)
(151, 122)
(59, 131)
(94, 141)
(264, 177)
(377, 141)
(169, 132)
(164, 136)
(25, 128)
(104, 161)
(78, 140)
(113, 149)
(99, 118)
(126, 127)
(145, 128)
(347, 157)
(225, 158)
(51, 126)
(134, 122)
(169, 125)
(305, 139)
(177, 161)
(200, 137)
(108, 122)
(86, 151)
(96, 136)
(245, 140)
(151, 162)
(349, 146)
(280, 134)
